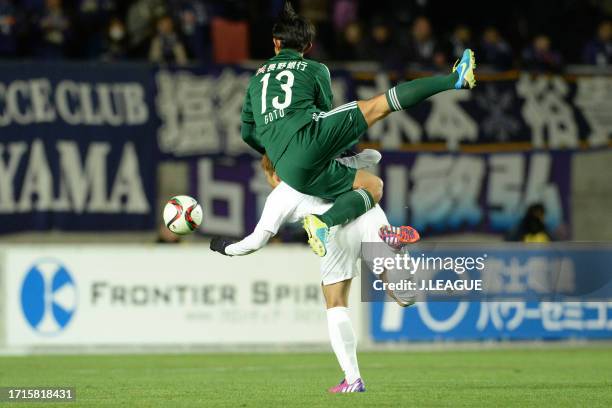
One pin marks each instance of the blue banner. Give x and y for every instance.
(199, 109)
(436, 193)
(519, 320)
(588, 314)
(78, 148)
(542, 110)
(454, 192)
(80, 144)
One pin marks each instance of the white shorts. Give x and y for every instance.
(344, 246)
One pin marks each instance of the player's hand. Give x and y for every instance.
(218, 244)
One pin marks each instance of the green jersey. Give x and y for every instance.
(281, 99)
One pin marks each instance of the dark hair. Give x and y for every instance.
(292, 30)
(535, 209)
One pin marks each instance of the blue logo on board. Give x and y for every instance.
(48, 297)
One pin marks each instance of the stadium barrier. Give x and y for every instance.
(140, 297)
(62, 297)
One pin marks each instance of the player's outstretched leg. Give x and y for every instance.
(351, 205)
(407, 94)
(410, 93)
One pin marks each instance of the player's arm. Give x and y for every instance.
(247, 129)
(274, 214)
(249, 244)
(325, 96)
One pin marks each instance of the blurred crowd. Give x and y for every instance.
(543, 36)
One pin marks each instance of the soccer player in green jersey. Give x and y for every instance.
(287, 114)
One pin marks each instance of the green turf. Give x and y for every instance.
(531, 377)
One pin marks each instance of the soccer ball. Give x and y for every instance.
(182, 214)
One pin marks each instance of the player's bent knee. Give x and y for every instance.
(375, 192)
(373, 184)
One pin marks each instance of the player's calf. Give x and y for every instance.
(374, 109)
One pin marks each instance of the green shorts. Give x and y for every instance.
(308, 164)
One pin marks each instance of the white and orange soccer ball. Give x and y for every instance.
(182, 214)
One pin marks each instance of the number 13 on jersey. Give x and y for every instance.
(285, 80)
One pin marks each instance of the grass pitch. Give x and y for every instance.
(580, 376)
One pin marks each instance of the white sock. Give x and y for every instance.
(343, 341)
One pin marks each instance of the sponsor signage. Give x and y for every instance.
(78, 147)
(151, 295)
(556, 293)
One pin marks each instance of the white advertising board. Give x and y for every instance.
(154, 295)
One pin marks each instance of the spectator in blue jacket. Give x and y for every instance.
(193, 17)
(460, 40)
(598, 51)
(494, 50)
(540, 56)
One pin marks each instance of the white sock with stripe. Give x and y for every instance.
(343, 342)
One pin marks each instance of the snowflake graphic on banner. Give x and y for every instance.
(499, 124)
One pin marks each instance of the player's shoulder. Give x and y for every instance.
(318, 66)
(256, 76)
